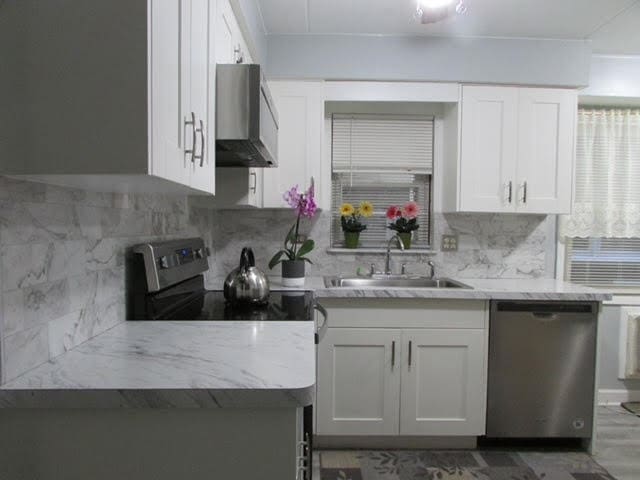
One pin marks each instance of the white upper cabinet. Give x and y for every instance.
(131, 113)
(516, 150)
(236, 187)
(546, 138)
(167, 159)
(231, 46)
(200, 95)
(488, 148)
(300, 109)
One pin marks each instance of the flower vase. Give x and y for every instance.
(351, 239)
(293, 273)
(406, 239)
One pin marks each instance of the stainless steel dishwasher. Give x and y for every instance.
(541, 369)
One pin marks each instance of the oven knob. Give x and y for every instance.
(164, 262)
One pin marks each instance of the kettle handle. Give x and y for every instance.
(244, 259)
(251, 258)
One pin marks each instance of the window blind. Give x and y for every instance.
(382, 191)
(382, 143)
(386, 160)
(604, 261)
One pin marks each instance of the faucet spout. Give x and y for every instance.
(400, 244)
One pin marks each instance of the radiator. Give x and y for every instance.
(629, 357)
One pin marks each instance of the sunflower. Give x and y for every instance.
(346, 210)
(365, 209)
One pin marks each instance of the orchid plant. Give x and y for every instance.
(403, 219)
(304, 204)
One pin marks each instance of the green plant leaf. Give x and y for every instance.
(305, 248)
(290, 237)
(276, 259)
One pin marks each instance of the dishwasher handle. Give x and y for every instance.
(547, 310)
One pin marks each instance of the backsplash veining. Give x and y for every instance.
(62, 273)
(490, 245)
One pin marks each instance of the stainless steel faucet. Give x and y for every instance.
(433, 268)
(387, 262)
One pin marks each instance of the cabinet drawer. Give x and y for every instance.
(405, 313)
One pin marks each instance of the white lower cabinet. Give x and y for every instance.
(403, 381)
(442, 389)
(358, 382)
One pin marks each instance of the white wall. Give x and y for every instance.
(614, 76)
(485, 60)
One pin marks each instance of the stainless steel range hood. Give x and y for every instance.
(246, 119)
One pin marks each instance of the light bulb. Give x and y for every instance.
(434, 3)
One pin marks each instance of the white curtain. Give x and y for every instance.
(607, 185)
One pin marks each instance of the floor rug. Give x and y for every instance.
(633, 407)
(457, 465)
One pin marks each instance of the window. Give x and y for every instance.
(386, 160)
(602, 234)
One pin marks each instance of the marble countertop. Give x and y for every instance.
(240, 364)
(177, 365)
(481, 289)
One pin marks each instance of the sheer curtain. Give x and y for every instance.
(602, 235)
(607, 186)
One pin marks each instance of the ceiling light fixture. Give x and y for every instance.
(432, 11)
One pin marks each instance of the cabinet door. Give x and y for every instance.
(488, 149)
(358, 382)
(546, 150)
(443, 382)
(224, 32)
(202, 92)
(167, 96)
(300, 115)
(230, 44)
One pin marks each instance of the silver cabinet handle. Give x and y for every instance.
(321, 329)
(509, 187)
(309, 457)
(524, 192)
(237, 54)
(201, 132)
(254, 188)
(410, 344)
(393, 354)
(192, 124)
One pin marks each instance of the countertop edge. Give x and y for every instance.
(110, 398)
(475, 294)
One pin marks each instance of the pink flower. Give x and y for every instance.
(393, 212)
(303, 203)
(410, 210)
(292, 197)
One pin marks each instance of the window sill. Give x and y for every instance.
(381, 251)
(624, 299)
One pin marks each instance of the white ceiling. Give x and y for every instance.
(613, 25)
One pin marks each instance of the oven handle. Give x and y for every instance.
(321, 329)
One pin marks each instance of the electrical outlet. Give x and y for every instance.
(449, 243)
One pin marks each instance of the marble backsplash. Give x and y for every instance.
(490, 245)
(62, 251)
(62, 256)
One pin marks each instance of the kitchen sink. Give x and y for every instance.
(392, 281)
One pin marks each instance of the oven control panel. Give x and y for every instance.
(168, 263)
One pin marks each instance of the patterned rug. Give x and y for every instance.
(458, 465)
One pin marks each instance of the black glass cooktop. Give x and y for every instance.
(211, 305)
